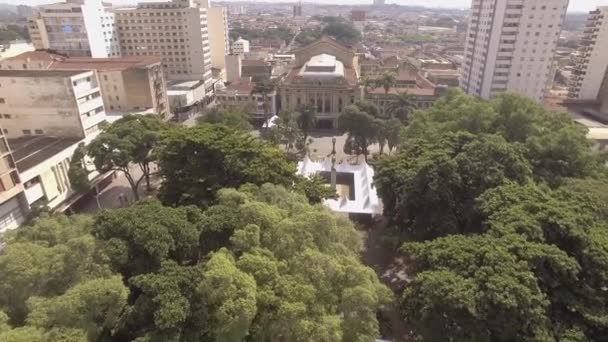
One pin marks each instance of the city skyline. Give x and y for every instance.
(575, 6)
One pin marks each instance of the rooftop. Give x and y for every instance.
(41, 73)
(105, 64)
(29, 151)
(38, 55)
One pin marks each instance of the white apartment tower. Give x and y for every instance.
(510, 47)
(176, 31)
(217, 18)
(593, 59)
(77, 28)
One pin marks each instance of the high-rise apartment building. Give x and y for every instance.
(79, 28)
(510, 46)
(379, 2)
(591, 67)
(176, 31)
(217, 18)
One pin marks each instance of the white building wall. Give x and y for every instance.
(590, 71)
(175, 31)
(75, 28)
(241, 46)
(510, 46)
(218, 36)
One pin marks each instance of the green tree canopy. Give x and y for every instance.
(509, 201)
(552, 244)
(129, 141)
(556, 146)
(362, 127)
(343, 31)
(197, 162)
(232, 116)
(261, 264)
(429, 188)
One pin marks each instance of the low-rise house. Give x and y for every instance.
(241, 93)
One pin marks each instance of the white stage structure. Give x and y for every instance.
(365, 199)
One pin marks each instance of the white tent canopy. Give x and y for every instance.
(366, 199)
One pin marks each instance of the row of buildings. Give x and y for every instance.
(44, 116)
(189, 36)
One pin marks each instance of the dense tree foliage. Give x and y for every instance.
(55, 282)
(344, 32)
(463, 146)
(260, 265)
(238, 31)
(78, 173)
(196, 162)
(538, 271)
(232, 116)
(13, 32)
(504, 207)
(128, 142)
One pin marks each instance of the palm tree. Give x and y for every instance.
(386, 81)
(307, 119)
(264, 88)
(368, 83)
(401, 107)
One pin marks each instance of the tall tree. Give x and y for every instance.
(231, 116)
(429, 189)
(307, 119)
(401, 107)
(287, 130)
(196, 162)
(360, 126)
(265, 87)
(536, 272)
(129, 141)
(386, 81)
(78, 173)
(344, 32)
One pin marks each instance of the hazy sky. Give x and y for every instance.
(575, 5)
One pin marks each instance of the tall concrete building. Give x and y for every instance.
(78, 28)
(591, 67)
(510, 46)
(217, 18)
(13, 206)
(176, 31)
(379, 2)
(51, 102)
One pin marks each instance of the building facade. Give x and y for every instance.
(591, 64)
(324, 76)
(240, 46)
(217, 18)
(80, 28)
(240, 94)
(128, 84)
(50, 102)
(510, 46)
(176, 31)
(13, 206)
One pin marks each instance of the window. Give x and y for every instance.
(39, 131)
(27, 132)
(2, 100)
(7, 116)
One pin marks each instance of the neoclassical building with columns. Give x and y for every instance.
(325, 75)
